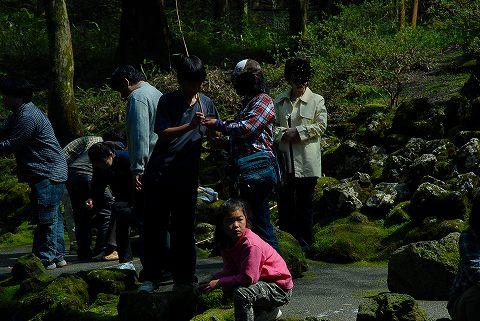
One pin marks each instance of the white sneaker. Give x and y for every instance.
(147, 287)
(51, 266)
(61, 263)
(126, 266)
(270, 315)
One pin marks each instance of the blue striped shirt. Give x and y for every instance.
(27, 132)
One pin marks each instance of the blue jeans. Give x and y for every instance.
(48, 241)
(256, 194)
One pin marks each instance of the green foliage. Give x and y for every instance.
(215, 314)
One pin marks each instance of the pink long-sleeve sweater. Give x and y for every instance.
(251, 260)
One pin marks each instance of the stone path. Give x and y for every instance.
(327, 290)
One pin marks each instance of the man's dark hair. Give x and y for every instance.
(298, 70)
(125, 72)
(231, 205)
(190, 69)
(16, 87)
(99, 152)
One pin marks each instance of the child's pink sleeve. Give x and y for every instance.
(249, 272)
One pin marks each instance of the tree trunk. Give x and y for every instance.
(414, 13)
(220, 9)
(402, 14)
(62, 109)
(298, 16)
(144, 33)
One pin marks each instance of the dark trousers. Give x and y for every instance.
(170, 213)
(295, 209)
(79, 189)
(257, 194)
(125, 218)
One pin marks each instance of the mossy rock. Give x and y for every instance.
(432, 200)
(425, 270)
(216, 315)
(434, 229)
(214, 299)
(292, 253)
(343, 241)
(22, 235)
(26, 267)
(8, 301)
(109, 281)
(398, 214)
(391, 307)
(206, 212)
(34, 284)
(322, 183)
(67, 292)
(103, 309)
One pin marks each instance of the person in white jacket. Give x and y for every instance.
(301, 120)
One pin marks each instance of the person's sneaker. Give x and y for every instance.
(61, 263)
(147, 287)
(269, 315)
(111, 257)
(51, 266)
(126, 266)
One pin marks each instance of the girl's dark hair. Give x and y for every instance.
(298, 70)
(231, 205)
(100, 151)
(16, 87)
(247, 84)
(125, 72)
(190, 69)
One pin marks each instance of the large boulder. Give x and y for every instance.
(67, 292)
(396, 168)
(422, 166)
(383, 198)
(468, 157)
(391, 307)
(465, 184)
(350, 157)
(27, 266)
(425, 270)
(342, 198)
(432, 200)
(419, 118)
(432, 228)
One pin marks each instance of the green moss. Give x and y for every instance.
(398, 214)
(431, 229)
(203, 253)
(110, 281)
(292, 253)
(8, 293)
(67, 292)
(216, 315)
(27, 266)
(22, 236)
(344, 241)
(214, 299)
(105, 304)
(322, 182)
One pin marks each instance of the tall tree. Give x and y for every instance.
(144, 33)
(414, 13)
(402, 14)
(62, 109)
(298, 16)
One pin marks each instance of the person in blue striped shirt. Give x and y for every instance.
(41, 163)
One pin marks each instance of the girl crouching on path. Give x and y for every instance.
(255, 273)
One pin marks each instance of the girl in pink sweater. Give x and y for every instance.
(255, 273)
